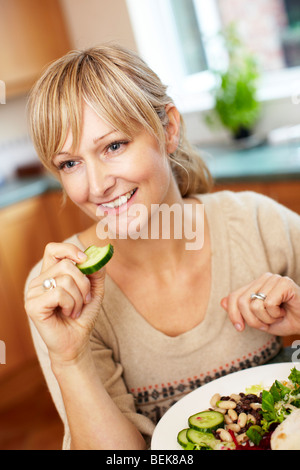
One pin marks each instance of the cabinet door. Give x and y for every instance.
(32, 34)
(66, 217)
(24, 230)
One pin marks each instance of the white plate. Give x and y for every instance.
(176, 418)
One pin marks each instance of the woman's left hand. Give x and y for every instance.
(278, 313)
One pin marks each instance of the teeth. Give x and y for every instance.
(119, 201)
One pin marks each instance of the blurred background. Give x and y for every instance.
(233, 69)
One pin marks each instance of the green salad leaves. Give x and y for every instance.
(280, 400)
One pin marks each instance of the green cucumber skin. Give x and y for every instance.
(182, 439)
(201, 438)
(92, 269)
(209, 427)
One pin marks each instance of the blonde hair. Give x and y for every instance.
(124, 91)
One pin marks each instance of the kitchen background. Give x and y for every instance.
(181, 40)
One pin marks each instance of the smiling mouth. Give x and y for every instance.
(119, 201)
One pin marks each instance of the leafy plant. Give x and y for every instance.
(236, 105)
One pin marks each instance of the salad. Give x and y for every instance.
(259, 419)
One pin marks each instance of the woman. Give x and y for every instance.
(122, 345)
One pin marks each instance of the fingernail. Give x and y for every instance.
(238, 326)
(81, 255)
(78, 315)
(88, 298)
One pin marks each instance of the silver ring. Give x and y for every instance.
(49, 284)
(258, 295)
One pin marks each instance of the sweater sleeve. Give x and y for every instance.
(265, 232)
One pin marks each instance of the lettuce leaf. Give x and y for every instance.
(295, 376)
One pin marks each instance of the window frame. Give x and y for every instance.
(193, 93)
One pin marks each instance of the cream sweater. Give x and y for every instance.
(144, 370)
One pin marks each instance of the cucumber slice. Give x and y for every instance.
(206, 421)
(205, 440)
(182, 439)
(97, 258)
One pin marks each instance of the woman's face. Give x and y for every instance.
(109, 173)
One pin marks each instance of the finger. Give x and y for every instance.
(234, 314)
(44, 306)
(55, 252)
(280, 294)
(258, 309)
(65, 267)
(97, 283)
(266, 310)
(97, 293)
(67, 283)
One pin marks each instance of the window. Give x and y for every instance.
(189, 36)
(291, 34)
(180, 40)
(172, 37)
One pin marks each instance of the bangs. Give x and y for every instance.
(56, 101)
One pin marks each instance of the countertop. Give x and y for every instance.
(258, 163)
(227, 164)
(20, 189)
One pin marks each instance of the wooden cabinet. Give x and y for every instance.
(25, 229)
(32, 34)
(285, 192)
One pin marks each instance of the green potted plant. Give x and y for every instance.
(235, 102)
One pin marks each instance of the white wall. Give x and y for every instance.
(92, 22)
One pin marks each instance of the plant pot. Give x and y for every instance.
(242, 133)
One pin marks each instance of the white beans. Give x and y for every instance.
(224, 435)
(233, 427)
(255, 406)
(227, 404)
(251, 418)
(232, 414)
(235, 397)
(240, 412)
(242, 438)
(242, 420)
(216, 397)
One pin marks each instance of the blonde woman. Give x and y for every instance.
(119, 347)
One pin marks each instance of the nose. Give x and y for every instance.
(100, 179)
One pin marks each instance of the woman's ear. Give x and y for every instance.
(172, 129)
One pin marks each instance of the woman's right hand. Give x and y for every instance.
(66, 314)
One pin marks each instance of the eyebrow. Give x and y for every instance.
(95, 141)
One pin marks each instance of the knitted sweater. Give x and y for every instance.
(146, 371)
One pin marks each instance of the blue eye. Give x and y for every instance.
(68, 165)
(116, 146)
